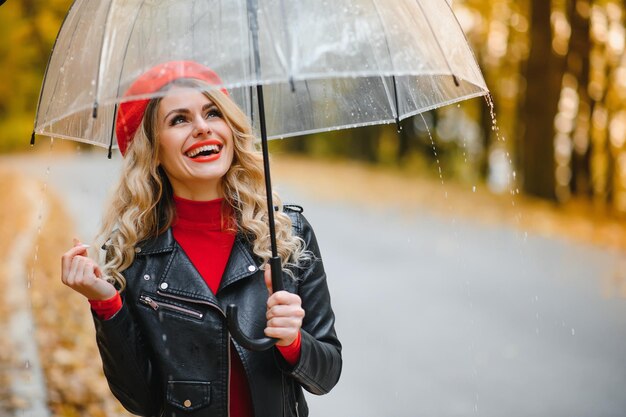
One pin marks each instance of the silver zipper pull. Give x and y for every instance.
(149, 301)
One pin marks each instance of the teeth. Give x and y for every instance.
(205, 148)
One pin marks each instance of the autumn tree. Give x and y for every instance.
(543, 72)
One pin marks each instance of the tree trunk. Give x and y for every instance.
(543, 71)
(578, 65)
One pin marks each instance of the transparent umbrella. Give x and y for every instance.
(295, 67)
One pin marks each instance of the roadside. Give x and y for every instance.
(63, 328)
(23, 386)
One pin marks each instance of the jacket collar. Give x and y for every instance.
(180, 277)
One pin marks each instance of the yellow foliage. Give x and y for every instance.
(28, 30)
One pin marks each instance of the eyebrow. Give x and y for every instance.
(186, 111)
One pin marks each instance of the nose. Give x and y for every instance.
(201, 126)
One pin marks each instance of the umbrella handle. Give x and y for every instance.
(232, 315)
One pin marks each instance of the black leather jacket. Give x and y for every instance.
(166, 352)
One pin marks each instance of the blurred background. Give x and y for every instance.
(486, 239)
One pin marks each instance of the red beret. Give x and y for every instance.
(130, 113)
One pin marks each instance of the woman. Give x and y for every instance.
(187, 235)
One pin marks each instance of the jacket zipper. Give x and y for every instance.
(156, 305)
(192, 300)
(286, 401)
(228, 379)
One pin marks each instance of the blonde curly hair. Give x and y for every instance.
(142, 205)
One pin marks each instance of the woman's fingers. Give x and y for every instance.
(268, 278)
(66, 259)
(83, 275)
(285, 311)
(283, 298)
(284, 317)
(285, 336)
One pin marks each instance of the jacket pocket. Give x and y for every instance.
(159, 305)
(188, 395)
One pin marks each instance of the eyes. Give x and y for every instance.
(184, 117)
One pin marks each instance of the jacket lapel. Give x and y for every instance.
(180, 276)
(241, 263)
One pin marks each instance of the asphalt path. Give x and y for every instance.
(438, 316)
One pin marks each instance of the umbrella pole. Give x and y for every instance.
(263, 343)
(275, 263)
(232, 311)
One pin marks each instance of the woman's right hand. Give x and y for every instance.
(83, 275)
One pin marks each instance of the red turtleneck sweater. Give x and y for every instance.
(201, 227)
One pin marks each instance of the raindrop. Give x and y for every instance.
(474, 189)
(27, 364)
(573, 331)
(164, 337)
(93, 82)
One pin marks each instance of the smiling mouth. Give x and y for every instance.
(206, 150)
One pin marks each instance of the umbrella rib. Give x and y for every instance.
(110, 153)
(449, 3)
(104, 31)
(288, 44)
(56, 83)
(119, 79)
(393, 77)
(432, 31)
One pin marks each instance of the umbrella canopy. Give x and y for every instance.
(324, 64)
(296, 67)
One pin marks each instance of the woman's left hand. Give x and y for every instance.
(284, 313)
